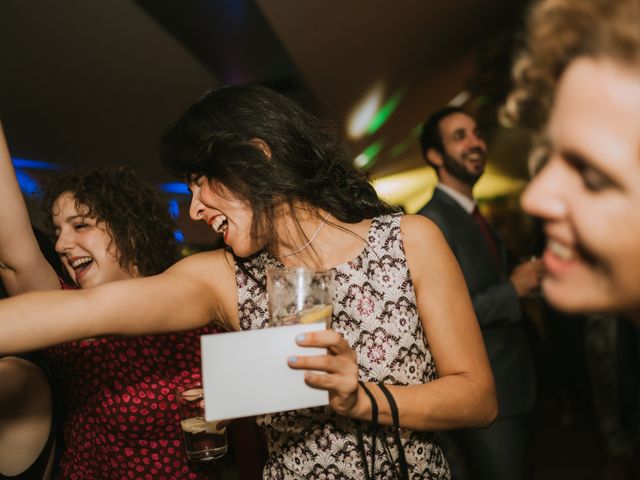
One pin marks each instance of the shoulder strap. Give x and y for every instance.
(369, 474)
(404, 471)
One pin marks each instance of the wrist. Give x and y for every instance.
(363, 408)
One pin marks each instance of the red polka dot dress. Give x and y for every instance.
(121, 416)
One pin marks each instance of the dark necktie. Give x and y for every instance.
(488, 236)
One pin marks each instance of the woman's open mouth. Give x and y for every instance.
(560, 257)
(80, 265)
(219, 224)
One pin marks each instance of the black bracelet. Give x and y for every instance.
(404, 471)
(369, 474)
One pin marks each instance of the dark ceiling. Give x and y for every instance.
(89, 82)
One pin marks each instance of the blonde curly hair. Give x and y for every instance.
(558, 32)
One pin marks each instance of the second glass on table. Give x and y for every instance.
(298, 295)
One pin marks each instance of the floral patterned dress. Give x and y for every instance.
(375, 310)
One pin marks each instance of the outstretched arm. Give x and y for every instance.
(23, 267)
(194, 292)
(464, 393)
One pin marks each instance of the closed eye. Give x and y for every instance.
(82, 223)
(593, 178)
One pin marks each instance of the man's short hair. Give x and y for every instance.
(430, 137)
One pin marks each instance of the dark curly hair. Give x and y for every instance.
(138, 223)
(308, 164)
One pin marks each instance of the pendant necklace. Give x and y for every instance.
(308, 242)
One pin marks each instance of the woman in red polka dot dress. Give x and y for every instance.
(118, 393)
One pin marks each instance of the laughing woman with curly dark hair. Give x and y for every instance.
(140, 226)
(117, 392)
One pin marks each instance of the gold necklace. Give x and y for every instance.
(313, 237)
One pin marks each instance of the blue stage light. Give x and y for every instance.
(174, 209)
(34, 164)
(27, 184)
(175, 187)
(179, 236)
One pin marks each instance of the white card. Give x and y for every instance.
(246, 373)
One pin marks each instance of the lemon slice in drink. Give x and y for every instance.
(199, 425)
(316, 314)
(212, 427)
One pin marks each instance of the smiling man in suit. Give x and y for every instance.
(451, 144)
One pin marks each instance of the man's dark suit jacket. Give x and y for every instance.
(495, 302)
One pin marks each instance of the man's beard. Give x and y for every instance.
(457, 169)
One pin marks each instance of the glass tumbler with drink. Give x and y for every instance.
(203, 441)
(298, 295)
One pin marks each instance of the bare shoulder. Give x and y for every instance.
(425, 247)
(206, 263)
(19, 375)
(418, 231)
(215, 272)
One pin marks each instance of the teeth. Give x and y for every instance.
(219, 224)
(81, 261)
(561, 251)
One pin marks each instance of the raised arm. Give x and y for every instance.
(194, 292)
(23, 267)
(464, 394)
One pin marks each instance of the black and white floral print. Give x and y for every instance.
(375, 310)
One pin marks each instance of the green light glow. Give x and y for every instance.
(385, 112)
(407, 143)
(374, 149)
(366, 158)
